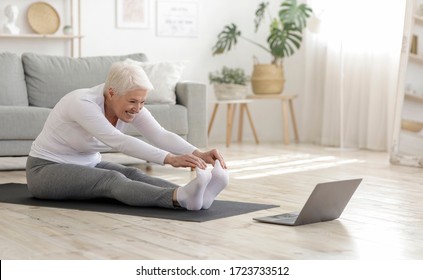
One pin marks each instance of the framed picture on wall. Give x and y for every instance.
(132, 13)
(177, 18)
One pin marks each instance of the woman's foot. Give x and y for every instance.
(218, 182)
(191, 195)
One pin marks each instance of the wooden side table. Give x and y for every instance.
(231, 105)
(287, 107)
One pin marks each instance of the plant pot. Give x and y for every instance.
(267, 79)
(230, 91)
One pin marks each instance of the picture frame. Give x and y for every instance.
(132, 14)
(177, 18)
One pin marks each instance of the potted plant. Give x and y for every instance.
(229, 83)
(285, 36)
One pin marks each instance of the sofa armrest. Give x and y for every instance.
(193, 96)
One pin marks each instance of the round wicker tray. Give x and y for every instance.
(43, 18)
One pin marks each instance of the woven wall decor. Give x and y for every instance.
(43, 18)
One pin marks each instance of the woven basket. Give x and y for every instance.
(267, 79)
(230, 91)
(43, 18)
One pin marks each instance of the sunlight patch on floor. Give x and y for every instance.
(277, 165)
(267, 159)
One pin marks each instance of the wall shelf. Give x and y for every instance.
(418, 19)
(414, 97)
(416, 58)
(40, 36)
(75, 39)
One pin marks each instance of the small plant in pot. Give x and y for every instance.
(229, 83)
(285, 37)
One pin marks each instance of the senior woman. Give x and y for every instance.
(65, 160)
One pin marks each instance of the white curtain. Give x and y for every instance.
(351, 73)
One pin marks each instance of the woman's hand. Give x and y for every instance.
(210, 156)
(188, 160)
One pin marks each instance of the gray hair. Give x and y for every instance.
(125, 76)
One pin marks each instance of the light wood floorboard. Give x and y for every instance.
(383, 220)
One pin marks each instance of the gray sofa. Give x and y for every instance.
(31, 84)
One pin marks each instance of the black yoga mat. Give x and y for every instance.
(18, 194)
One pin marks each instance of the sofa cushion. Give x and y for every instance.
(49, 78)
(12, 81)
(21, 122)
(14, 148)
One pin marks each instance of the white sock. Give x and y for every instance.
(218, 182)
(191, 195)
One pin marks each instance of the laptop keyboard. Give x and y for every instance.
(287, 216)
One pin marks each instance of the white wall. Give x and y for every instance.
(103, 38)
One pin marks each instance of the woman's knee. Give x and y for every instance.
(128, 171)
(134, 173)
(113, 178)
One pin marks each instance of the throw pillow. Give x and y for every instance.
(164, 76)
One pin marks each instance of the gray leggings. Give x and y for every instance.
(52, 180)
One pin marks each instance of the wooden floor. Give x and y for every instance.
(384, 219)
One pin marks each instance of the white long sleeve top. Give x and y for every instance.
(76, 131)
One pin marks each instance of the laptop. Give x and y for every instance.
(326, 203)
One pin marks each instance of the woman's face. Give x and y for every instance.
(127, 106)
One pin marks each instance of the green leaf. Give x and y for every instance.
(226, 39)
(284, 42)
(290, 12)
(260, 14)
(229, 76)
(285, 30)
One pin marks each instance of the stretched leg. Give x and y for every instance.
(189, 197)
(50, 180)
(136, 174)
(217, 183)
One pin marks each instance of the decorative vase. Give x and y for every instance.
(230, 91)
(67, 30)
(267, 79)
